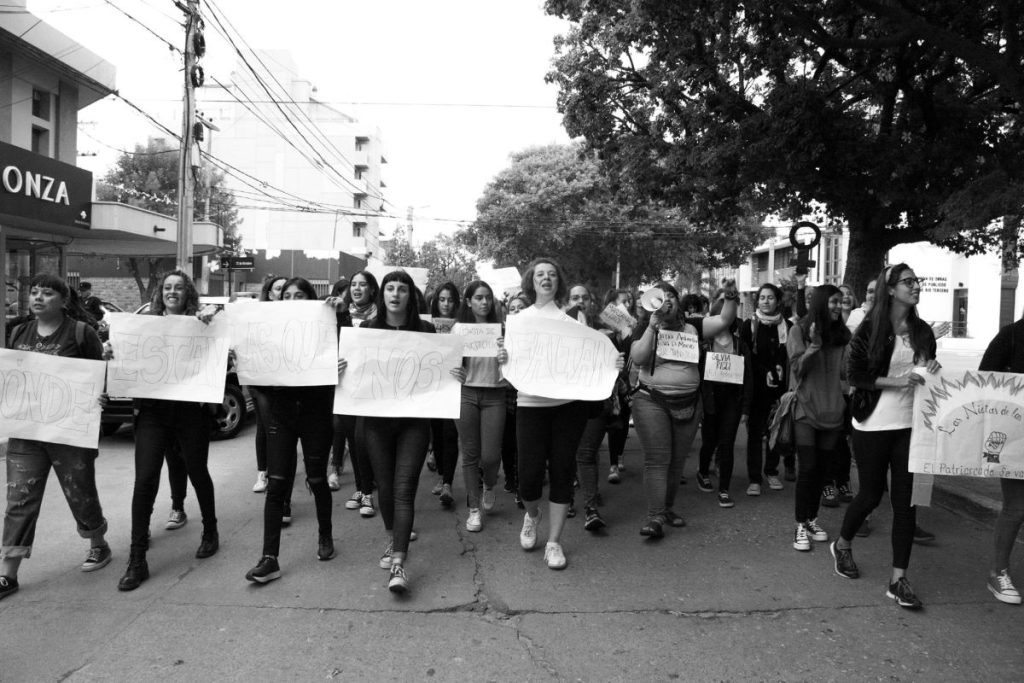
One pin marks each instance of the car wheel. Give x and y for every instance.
(109, 428)
(229, 422)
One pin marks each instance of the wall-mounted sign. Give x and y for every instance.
(42, 189)
(935, 284)
(238, 262)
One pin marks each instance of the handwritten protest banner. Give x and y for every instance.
(398, 374)
(724, 367)
(443, 325)
(479, 340)
(618, 318)
(969, 423)
(559, 359)
(681, 346)
(51, 398)
(285, 343)
(171, 357)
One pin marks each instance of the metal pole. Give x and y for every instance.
(186, 185)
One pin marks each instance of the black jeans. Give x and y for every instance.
(757, 428)
(397, 447)
(617, 434)
(161, 426)
(814, 450)
(876, 454)
(261, 401)
(510, 451)
(445, 438)
(547, 440)
(177, 477)
(297, 414)
(718, 432)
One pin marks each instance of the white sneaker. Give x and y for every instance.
(816, 532)
(261, 482)
(754, 490)
(334, 481)
(554, 556)
(774, 483)
(473, 522)
(1003, 589)
(528, 536)
(801, 541)
(487, 499)
(398, 582)
(355, 501)
(385, 559)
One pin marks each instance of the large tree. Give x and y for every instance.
(557, 201)
(897, 115)
(148, 178)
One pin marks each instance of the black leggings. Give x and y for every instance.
(297, 414)
(718, 432)
(876, 454)
(617, 434)
(757, 428)
(814, 450)
(445, 438)
(547, 440)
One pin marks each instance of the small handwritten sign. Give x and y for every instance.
(443, 325)
(618, 318)
(398, 374)
(171, 357)
(680, 346)
(559, 359)
(724, 367)
(479, 340)
(285, 343)
(51, 398)
(969, 423)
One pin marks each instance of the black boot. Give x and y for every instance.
(137, 572)
(209, 544)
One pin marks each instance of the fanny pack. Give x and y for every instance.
(682, 408)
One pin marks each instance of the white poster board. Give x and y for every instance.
(724, 367)
(170, 357)
(618, 318)
(559, 359)
(680, 346)
(50, 398)
(284, 343)
(969, 423)
(379, 270)
(502, 280)
(398, 374)
(479, 340)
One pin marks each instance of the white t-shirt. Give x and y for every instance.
(895, 409)
(857, 316)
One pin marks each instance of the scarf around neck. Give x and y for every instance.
(775, 321)
(364, 312)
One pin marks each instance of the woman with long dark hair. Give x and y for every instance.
(271, 291)
(444, 437)
(890, 343)
(482, 415)
(816, 348)
(162, 425)
(57, 328)
(343, 439)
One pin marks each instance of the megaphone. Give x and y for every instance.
(652, 299)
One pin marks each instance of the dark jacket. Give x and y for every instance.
(861, 375)
(1005, 353)
(769, 359)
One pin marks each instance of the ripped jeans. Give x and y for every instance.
(28, 467)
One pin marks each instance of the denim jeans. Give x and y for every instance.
(718, 433)
(297, 414)
(1011, 517)
(878, 453)
(28, 467)
(161, 426)
(397, 447)
(547, 439)
(815, 450)
(666, 443)
(586, 459)
(481, 428)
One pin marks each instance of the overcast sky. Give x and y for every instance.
(429, 61)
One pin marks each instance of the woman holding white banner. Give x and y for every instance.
(297, 414)
(444, 438)
(884, 365)
(161, 425)
(397, 446)
(548, 430)
(57, 329)
(271, 291)
(667, 407)
(482, 415)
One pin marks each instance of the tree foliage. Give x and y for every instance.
(445, 259)
(558, 201)
(148, 178)
(900, 117)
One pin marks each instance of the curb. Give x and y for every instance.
(961, 501)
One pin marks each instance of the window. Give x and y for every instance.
(784, 258)
(362, 143)
(358, 229)
(41, 104)
(761, 261)
(41, 141)
(359, 172)
(358, 200)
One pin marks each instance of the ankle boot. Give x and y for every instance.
(209, 544)
(137, 572)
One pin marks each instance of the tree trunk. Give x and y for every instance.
(865, 255)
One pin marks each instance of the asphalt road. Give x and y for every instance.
(726, 598)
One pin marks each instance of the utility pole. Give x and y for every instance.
(186, 183)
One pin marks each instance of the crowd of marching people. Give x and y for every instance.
(821, 382)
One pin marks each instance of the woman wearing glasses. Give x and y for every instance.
(890, 343)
